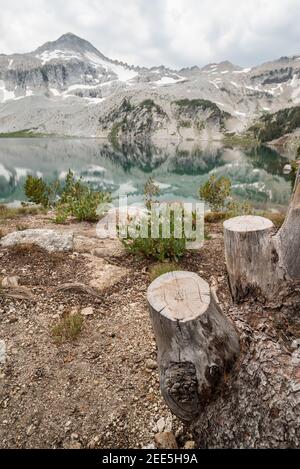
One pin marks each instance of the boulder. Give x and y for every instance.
(49, 240)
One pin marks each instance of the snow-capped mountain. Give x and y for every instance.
(68, 87)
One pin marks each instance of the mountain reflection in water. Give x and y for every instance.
(180, 169)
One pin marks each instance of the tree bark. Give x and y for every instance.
(261, 264)
(197, 344)
(288, 237)
(260, 403)
(249, 255)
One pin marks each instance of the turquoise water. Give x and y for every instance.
(257, 175)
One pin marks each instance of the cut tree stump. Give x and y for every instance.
(288, 237)
(260, 263)
(197, 344)
(249, 255)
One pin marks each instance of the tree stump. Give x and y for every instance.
(197, 344)
(261, 264)
(288, 237)
(250, 256)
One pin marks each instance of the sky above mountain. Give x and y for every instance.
(176, 33)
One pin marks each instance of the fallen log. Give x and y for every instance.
(197, 344)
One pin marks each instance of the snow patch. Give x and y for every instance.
(123, 74)
(5, 95)
(168, 81)
(55, 92)
(47, 56)
(215, 84)
(245, 70)
(93, 168)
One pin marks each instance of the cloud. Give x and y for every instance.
(175, 33)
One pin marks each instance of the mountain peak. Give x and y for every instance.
(69, 41)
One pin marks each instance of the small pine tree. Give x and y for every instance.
(215, 192)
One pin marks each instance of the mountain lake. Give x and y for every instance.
(179, 169)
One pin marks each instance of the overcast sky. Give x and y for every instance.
(175, 33)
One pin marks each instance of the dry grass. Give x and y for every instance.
(68, 329)
(159, 269)
(23, 249)
(276, 218)
(9, 213)
(215, 217)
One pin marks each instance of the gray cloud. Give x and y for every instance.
(175, 33)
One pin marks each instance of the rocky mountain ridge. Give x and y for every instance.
(68, 87)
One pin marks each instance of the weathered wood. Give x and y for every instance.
(250, 256)
(288, 237)
(197, 344)
(261, 264)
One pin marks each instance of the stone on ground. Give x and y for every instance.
(165, 440)
(49, 240)
(103, 274)
(2, 352)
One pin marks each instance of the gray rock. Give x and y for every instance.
(87, 311)
(161, 425)
(150, 446)
(151, 364)
(190, 445)
(2, 352)
(30, 430)
(296, 344)
(8, 282)
(49, 240)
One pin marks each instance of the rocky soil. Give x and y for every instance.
(101, 390)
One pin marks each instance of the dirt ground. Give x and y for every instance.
(102, 390)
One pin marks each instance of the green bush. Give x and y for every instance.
(160, 248)
(85, 207)
(151, 190)
(73, 197)
(37, 191)
(68, 328)
(215, 192)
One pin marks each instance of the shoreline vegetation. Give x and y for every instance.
(229, 140)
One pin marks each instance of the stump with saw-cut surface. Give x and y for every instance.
(250, 256)
(262, 264)
(197, 344)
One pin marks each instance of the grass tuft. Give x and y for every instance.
(68, 329)
(160, 269)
